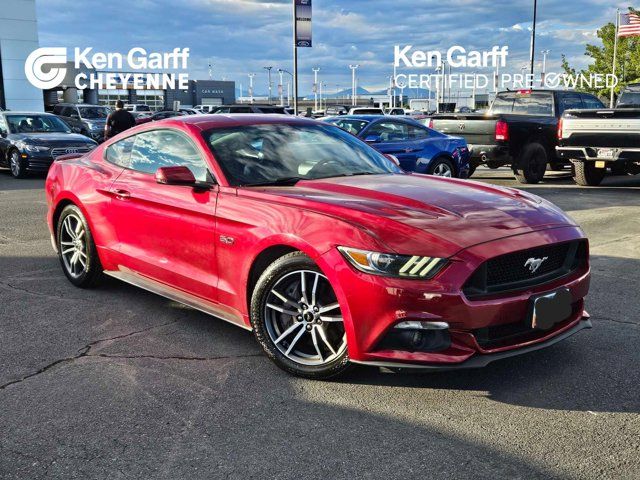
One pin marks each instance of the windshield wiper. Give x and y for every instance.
(284, 181)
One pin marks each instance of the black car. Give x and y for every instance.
(250, 108)
(89, 120)
(30, 142)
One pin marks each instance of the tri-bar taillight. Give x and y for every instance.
(560, 126)
(502, 131)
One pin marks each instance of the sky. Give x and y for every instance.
(239, 37)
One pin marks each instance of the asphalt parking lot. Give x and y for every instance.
(118, 383)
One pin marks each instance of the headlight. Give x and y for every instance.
(31, 148)
(391, 265)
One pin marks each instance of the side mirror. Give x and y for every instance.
(175, 176)
(373, 139)
(393, 158)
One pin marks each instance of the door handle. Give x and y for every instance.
(122, 194)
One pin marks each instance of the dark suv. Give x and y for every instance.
(83, 118)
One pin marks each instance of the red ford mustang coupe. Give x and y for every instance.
(319, 244)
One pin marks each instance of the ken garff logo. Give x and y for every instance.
(51, 57)
(534, 263)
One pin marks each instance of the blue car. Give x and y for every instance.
(418, 148)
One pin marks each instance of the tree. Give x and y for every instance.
(627, 59)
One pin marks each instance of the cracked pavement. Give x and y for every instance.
(118, 383)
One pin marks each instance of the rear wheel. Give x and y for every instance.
(76, 249)
(531, 164)
(472, 167)
(441, 167)
(297, 319)
(586, 174)
(17, 165)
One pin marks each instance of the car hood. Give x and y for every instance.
(50, 139)
(425, 214)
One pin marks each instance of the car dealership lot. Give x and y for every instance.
(119, 383)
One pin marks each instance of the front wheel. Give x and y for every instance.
(441, 167)
(587, 175)
(17, 165)
(297, 319)
(76, 249)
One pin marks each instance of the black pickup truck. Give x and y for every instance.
(520, 129)
(594, 140)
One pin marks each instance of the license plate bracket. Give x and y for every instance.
(550, 308)
(606, 153)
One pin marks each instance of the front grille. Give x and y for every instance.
(58, 152)
(527, 268)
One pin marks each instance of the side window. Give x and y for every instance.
(240, 110)
(590, 101)
(57, 109)
(417, 133)
(3, 125)
(119, 153)
(390, 131)
(164, 148)
(570, 101)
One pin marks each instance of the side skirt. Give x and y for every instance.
(176, 295)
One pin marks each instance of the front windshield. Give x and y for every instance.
(36, 124)
(350, 125)
(94, 112)
(262, 154)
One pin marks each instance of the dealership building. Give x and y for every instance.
(18, 38)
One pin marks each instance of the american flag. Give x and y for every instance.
(629, 25)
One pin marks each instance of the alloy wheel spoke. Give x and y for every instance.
(314, 289)
(328, 308)
(314, 337)
(285, 299)
(324, 339)
(67, 227)
(64, 252)
(282, 310)
(331, 319)
(295, 340)
(303, 288)
(287, 332)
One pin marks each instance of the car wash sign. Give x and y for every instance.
(303, 23)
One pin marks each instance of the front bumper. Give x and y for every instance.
(620, 155)
(480, 361)
(372, 306)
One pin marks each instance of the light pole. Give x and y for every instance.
(544, 65)
(281, 88)
(315, 87)
(251, 75)
(268, 69)
(281, 71)
(533, 38)
(353, 83)
(438, 88)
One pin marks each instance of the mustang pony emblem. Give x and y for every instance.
(534, 263)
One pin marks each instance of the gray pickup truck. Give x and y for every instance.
(597, 140)
(520, 129)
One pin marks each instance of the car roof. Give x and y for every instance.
(13, 112)
(66, 104)
(208, 121)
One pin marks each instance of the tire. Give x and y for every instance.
(472, 168)
(17, 165)
(587, 175)
(442, 167)
(531, 164)
(74, 239)
(315, 349)
(493, 165)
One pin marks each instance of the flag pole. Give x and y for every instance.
(615, 54)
